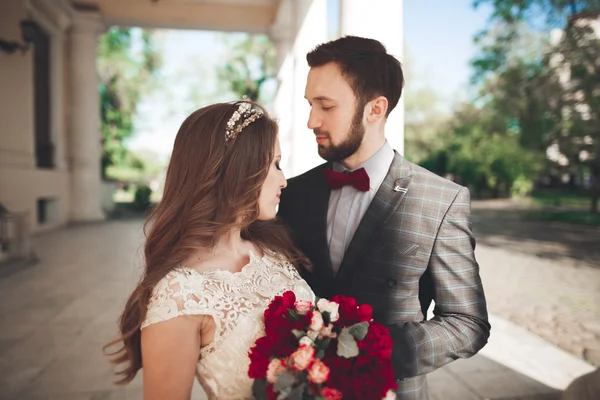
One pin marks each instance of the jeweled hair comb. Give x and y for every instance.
(241, 118)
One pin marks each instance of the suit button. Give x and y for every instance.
(391, 282)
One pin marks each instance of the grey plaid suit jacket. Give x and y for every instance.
(413, 245)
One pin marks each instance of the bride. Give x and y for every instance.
(215, 258)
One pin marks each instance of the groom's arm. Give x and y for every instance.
(460, 326)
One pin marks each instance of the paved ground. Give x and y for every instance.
(55, 317)
(544, 277)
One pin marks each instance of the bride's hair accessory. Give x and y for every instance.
(241, 118)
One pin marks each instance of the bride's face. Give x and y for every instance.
(271, 189)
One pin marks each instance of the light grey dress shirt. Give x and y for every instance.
(348, 205)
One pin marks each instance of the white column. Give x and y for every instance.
(381, 20)
(84, 140)
(311, 30)
(282, 33)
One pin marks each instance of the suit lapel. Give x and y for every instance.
(317, 224)
(384, 204)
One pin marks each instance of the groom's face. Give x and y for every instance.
(336, 117)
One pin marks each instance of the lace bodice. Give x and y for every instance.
(236, 302)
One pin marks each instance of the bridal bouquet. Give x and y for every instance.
(328, 350)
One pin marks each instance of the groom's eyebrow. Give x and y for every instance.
(320, 98)
(323, 98)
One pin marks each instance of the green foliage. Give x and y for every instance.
(551, 89)
(249, 65)
(490, 161)
(424, 117)
(126, 65)
(141, 198)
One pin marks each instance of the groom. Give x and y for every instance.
(379, 228)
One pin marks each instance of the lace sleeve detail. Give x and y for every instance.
(180, 292)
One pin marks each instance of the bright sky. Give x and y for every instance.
(438, 35)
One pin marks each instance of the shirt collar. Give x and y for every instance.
(377, 166)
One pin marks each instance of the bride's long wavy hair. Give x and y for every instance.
(211, 187)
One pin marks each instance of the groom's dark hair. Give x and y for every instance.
(370, 70)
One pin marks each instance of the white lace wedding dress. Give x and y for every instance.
(236, 302)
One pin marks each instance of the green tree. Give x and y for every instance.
(560, 92)
(424, 116)
(481, 153)
(126, 64)
(249, 64)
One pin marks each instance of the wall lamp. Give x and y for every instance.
(28, 30)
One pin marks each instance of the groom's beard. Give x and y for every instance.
(343, 150)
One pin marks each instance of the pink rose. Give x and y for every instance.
(318, 372)
(302, 357)
(303, 306)
(390, 395)
(276, 367)
(316, 322)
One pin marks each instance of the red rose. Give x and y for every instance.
(285, 345)
(340, 369)
(377, 343)
(331, 393)
(279, 306)
(364, 313)
(271, 394)
(347, 310)
(277, 314)
(367, 385)
(260, 357)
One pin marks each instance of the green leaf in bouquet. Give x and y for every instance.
(320, 354)
(326, 317)
(298, 333)
(359, 330)
(297, 393)
(284, 382)
(293, 314)
(347, 346)
(324, 344)
(259, 389)
(284, 394)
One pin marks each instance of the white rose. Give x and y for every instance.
(331, 307)
(306, 341)
(316, 322)
(313, 335)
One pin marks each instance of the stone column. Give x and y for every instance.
(84, 113)
(282, 35)
(380, 20)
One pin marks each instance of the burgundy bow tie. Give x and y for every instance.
(359, 179)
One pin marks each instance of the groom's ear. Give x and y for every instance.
(376, 109)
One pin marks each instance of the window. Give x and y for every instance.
(47, 210)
